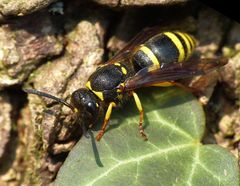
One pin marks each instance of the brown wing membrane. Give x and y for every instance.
(175, 71)
(140, 38)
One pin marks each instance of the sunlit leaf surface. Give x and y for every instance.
(173, 155)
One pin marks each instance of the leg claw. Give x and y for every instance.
(144, 136)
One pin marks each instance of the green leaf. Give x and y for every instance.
(173, 155)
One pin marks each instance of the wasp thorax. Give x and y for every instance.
(86, 103)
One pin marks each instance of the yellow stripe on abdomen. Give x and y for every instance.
(150, 55)
(191, 40)
(187, 42)
(177, 43)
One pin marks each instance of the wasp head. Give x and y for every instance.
(87, 106)
(83, 102)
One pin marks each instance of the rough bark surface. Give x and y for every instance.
(21, 7)
(5, 120)
(24, 44)
(122, 3)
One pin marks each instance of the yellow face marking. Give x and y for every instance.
(187, 42)
(150, 54)
(97, 105)
(88, 85)
(177, 43)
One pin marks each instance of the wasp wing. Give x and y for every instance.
(172, 72)
(140, 38)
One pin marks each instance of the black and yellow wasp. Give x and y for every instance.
(152, 58)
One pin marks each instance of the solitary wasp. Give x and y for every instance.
(152, 58)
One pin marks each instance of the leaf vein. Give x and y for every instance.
(173, 126)
(194, 165)
(137, 160)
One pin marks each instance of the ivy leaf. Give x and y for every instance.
(173, 154)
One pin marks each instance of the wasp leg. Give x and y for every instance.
(140, 109)
(106, 119)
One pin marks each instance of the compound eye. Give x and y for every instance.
(92, 108)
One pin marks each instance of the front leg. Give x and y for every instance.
(105, 122)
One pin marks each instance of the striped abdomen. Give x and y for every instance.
(164, 48)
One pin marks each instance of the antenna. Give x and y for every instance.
(43, 94)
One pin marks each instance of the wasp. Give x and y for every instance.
(151, 58)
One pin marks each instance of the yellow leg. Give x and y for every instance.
(140, 109)
(106, 119)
